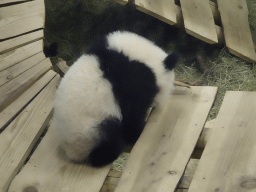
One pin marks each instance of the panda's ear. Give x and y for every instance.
(171, 60)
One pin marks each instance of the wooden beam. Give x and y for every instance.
(228, 161)
(16, 42)
(19, 138)
(159, 157)
(9, 113)
(21, 18)
(198, 20)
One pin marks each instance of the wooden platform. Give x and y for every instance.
(164, 158)
(225, 22)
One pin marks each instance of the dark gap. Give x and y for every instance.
(1, 40)
(13, 3)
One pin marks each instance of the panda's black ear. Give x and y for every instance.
(171, 60)
(51, 50)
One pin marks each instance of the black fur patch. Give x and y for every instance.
(111, 144)
(134, 86)
(171, 60)
(51, 50)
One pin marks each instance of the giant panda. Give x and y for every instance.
(101, 102)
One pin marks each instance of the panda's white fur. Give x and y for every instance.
(85, 97)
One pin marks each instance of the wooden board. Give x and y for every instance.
(163, 10)
(21, 18)
(12, 89)
(198, 20)
(158, 159)
(228, 161)
(48, 171)
(18, 139)
(12, 57)
(14, 43)
(15, 70)
(9, 113)
(10, 1)
(234, 17)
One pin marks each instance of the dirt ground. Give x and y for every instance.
(74, 24)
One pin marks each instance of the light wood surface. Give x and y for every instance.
(228, 161)
(19, 41)
(12, 89)
(15, 70)
(12, 57)
(9, 1)
(198, 20)
(62, 65)
(163, 10)
(234, 17)
(9, 113)
(19, 138)
(21, 18)
(48, 171)
(158, 159)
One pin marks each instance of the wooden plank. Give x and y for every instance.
(228, 161)
(12, 89)
(198, 20)
(12, 57)
(14, 43)
(15, 70)
(62, 65)
(234, 17)
(9, 113)
(10, 1)
(48, 171)
(163, 10)
(159, 157)
(18, 139)
(21, 18)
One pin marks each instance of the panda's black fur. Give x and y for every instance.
(128, 75)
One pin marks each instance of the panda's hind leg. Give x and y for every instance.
(111, 143)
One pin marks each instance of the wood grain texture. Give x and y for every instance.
(10, 90)
(228, 161)
(16, 42)
(48, 171)
(12, 57)
(198, 20)
(21, 18)
(9, 113)
(19, 138)
(158, 159)
(15, 70)
(163, 10)
(234, 17)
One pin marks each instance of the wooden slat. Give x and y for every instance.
(62, 65)
(159, 157)
(228, 161)
(9, 113)
(164, 10)
(12, 57)
(21, 18)
(48, 171)
(15, 70)
(234, 17)
(18, 139)
(14, 43)
(12, 89)
(198, 20)
(10, 1)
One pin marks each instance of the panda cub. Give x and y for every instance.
(101, 102)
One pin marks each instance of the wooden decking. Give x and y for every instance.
(165, 158)
(201, 19)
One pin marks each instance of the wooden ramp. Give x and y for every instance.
(201, 19)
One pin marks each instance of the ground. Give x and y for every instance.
(74, 24)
